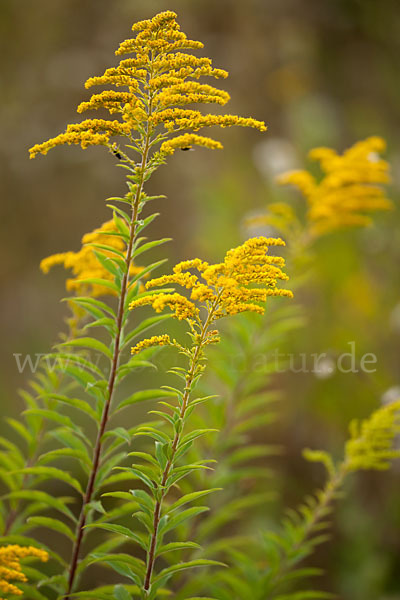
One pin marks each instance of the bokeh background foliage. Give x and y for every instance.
(319, 73)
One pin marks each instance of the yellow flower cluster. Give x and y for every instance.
(241, 283)
(349, 189)
(182, 307)
(91, 132)
(158, 77)
(10, 566)
(155, 340)
(175, 119)
(187, 140)
(84, 263)
(371, 445)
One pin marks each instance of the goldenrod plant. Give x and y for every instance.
(279, 574)
(241, 283)
(159, 78)
(145, 522)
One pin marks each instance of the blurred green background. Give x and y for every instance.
(321, 72)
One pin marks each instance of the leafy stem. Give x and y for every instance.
(313, 519)
(136, 205)
(194, 369)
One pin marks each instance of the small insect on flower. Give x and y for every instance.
(116, 153)
(187, 149)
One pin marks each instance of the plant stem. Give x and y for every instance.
(158, 506)
(111, 380)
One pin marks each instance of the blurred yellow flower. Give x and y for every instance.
(372, 442)
(10, 566)
(85, 264)
(350, 189)
(158, 78)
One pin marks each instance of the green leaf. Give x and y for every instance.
(99, 281)
(133, 364)
(145, 456)
(190, 437)
(191, 498)
(138, 474)
(144, 499)
(53, 473)
(119, 432)
(108, 263)
(108, 465)
(146, 222)
(107, 322)
(140, 275)
(122, 227)
(68, 438)
(97, 506)
(173, 522)
(173, 546)
(88, 342)
(108, 248)
(21, 429)
(144, 326)
(121, 593)
(149, 246)
(30, 592)
(88, 381)
(142, 396)
(14, 450)
(121, 530)
(52, 415)
(120, 495)
(82, 457)
(201, 562)
(77, 403)
(94, 303)
(64, 358)
(53, 524)
(43, 498)
(105, 592)
(135, 564)
(56, 582)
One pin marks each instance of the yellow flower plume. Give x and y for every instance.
(157, 78)
(350, 189)
(371, 444)
(243, 282)
(84, 263)
(10, 566)
(155, 340)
